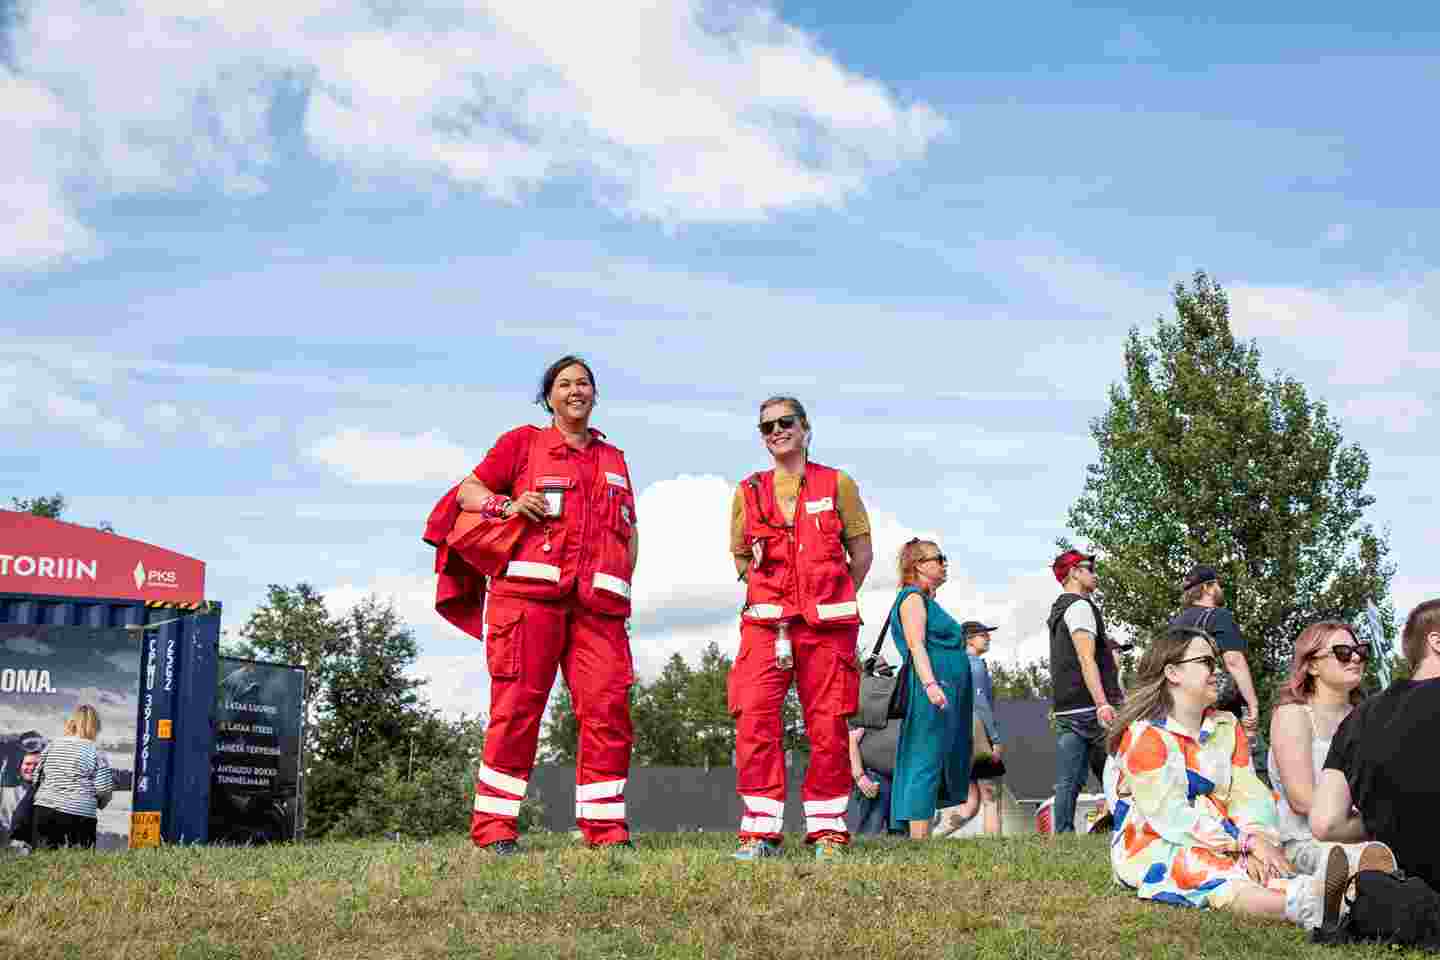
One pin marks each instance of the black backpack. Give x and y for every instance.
(1392, 908)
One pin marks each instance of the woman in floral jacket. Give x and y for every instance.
(1194, 825)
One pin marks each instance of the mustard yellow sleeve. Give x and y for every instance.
(738, 546)
(850, 507)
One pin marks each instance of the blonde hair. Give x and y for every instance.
(909, 558)
(1149, 696)
(84, 722)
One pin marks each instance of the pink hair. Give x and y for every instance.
(1299, 685)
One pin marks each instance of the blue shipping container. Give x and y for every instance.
(174, 725)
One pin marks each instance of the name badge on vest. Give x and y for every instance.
(819, 506)
(553, 489)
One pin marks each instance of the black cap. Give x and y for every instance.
(972, 627)
(1199, 574)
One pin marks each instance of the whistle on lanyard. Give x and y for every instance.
(553, 490)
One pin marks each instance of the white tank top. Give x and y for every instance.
(1296, 826)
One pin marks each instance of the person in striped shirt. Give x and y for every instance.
(75, 784)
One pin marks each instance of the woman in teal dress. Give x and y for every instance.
(932, 765)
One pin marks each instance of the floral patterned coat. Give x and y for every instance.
(1181, 800)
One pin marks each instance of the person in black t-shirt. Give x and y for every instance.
(1380, 778)
(1203, 602)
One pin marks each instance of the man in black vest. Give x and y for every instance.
(1084, 679)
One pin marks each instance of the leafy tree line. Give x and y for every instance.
(682, 717)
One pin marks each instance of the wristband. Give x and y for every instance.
(495, 506)
(932, 683)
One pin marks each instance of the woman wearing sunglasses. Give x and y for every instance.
(1323, 687)
(1194, 825)
(800, 540)
(932, 763)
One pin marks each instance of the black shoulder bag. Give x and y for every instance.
(884, 690)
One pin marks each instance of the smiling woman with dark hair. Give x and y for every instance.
(561, 499)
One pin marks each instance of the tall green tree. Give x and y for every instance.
(370, 707)
(1205, 458)
(293, 626)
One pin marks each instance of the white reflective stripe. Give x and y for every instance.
(816, 824)
(762, 825)
(774, 808)
(616, 480)
(502, 781)
(533, 570)
(830, 611)
(765, 611)
(815, 807)
(603, 581)
(599, 791)
(600, 811)
(497, 805)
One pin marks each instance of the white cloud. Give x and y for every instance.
(34, 399)
(412, 593)
(678, 111)
(30, 645)
(367, 456)
(1393, 411)
(456, 683)
(1371, 328)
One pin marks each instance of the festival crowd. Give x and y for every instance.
(1342, 844)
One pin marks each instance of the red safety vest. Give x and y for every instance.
(585, 547)
(798, 570)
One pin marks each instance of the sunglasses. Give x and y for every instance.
(1344, 652)
(939, 556)
(767, 427)
(1211, 663)
(1086, 565)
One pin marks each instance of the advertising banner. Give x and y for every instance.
(255, 766)
(52, 558)
(45, 673)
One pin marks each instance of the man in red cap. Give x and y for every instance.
(1084, 680)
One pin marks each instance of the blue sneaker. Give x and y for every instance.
(755, 849)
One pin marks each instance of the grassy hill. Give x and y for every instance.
(674, 896)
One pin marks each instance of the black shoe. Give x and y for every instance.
(502, 848)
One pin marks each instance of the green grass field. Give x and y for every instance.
(674, 896)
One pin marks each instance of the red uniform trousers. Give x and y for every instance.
(827, 677)
(525, 641)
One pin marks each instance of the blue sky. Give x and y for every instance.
(272, 275)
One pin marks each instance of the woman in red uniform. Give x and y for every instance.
(562, 601)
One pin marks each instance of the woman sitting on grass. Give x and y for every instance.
(1194, 825)
(1323, 687)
